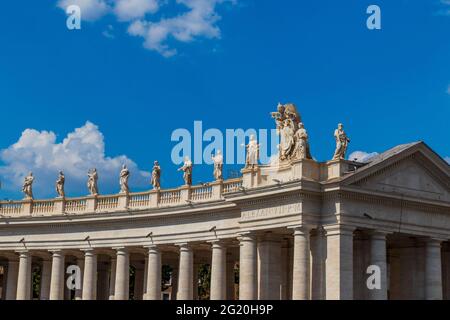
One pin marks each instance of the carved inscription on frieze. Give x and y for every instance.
(272, 211)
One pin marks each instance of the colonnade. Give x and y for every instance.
(298, 263)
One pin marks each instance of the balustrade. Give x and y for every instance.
(106, 203)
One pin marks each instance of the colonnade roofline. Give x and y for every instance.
(306, 170)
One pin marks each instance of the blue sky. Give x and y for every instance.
(138, 70)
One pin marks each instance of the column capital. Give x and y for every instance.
(152, 247)
(434, 242)
(300, 229)
(246, 236)
(56, 252)
(378, 234)
(301, 226)
(337, 229)
(89, 251)
(217, 243)
(23, 253)
(184, 246)
(120, 249)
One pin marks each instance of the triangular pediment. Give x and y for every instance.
(407, 178)
(417, 173)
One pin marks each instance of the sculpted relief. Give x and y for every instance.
(294, 143)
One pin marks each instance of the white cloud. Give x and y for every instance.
(82, 149)
(361, 156)
(193, 19)
(126, 10)
(90, 9)
(445, 8)
(199, 21)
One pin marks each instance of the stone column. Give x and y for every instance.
(122, 275)
(247, 268)
(339, 264)
(11, 282)
(57, 284)
(153, 290)
(46, 274)
(24, 276)
(318, 265)
(145, 277)
(218, 271)
(433, 270)
(378, 257)
(185, 273)
(90, 275)
(269, 267)
(112, 279)
(301, 264)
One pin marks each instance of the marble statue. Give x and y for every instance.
(302, 150)
(252, 153)
(156, 176)
(124, 176)
(341, 142)
(287, 139)
(187, 171)
(218, 165)
(288, 122)
(27, 187)
(60, 185)
(92, 182)
(279, 116)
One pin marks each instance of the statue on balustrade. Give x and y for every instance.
(252, 158)
(287, 142)
(123, 181)
(27, 187)
(187, 171)
(92, 182)
(293, 138)
(156, 176)
(342, 142)
(60, 185)
(218, 165)
(302, 150)
(286, 111)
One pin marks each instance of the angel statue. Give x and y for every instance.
(342, 142)
(92, 182)
(187, 169)
(123, 181)
(60, 185)
(156, 176)
(218, 165)
(27, 187)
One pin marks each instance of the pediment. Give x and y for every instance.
(412, 177)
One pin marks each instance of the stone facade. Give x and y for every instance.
(301, 230)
